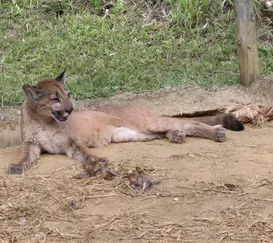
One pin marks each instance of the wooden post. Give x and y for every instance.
(246, 42)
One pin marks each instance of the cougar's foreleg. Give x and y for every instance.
(82, 154)
(28, 154)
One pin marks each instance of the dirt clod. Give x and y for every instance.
(139, 180)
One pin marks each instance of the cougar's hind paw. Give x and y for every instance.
(220, 134)
(176, 136)
(15, 169)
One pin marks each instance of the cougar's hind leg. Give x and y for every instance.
(171, 128)
(125, 134)
(198, 129)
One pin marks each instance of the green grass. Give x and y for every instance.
(122, 53)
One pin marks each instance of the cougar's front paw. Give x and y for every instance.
(220, 133)
(15, 169)
(176, 136)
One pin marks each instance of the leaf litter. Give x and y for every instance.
(136, 178)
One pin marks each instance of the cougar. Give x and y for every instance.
(49, 125)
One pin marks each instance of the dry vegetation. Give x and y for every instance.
(48, 209)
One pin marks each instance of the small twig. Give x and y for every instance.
(263, 199)
(100, 196)
(222, 238)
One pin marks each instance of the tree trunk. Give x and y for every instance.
(246, 42)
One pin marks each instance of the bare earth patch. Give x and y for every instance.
(209, 192)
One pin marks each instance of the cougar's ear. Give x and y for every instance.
(32, 92)
(61, 77)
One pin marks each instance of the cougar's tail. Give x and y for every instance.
(227, 120)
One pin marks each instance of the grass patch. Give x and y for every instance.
(130, 50)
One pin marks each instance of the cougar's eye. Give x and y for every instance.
(56, 100)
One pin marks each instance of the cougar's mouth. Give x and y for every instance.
(60, 116)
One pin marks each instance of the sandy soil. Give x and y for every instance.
(209, 192)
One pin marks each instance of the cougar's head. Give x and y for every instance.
(50, 99)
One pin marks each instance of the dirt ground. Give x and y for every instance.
(209, 192)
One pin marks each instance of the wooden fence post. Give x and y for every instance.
(247, 50)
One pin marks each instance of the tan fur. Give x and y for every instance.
(47, 126)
